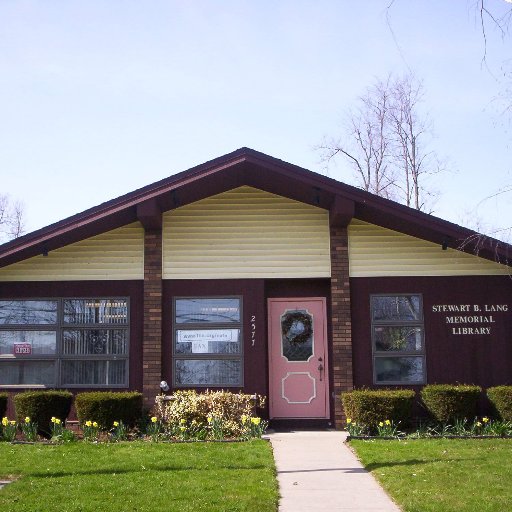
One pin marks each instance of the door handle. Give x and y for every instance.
(320, 368)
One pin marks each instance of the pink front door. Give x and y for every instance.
(298, 358)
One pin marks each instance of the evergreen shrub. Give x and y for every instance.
(105, 407)
(501, 398)
(447, 402)
(368, 407)
(41, 406)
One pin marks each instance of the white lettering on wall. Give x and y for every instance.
(253, 329)
(468, 317)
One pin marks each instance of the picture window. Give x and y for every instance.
(65, 342)
(398, 341)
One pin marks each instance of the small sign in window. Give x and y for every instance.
(22, 349)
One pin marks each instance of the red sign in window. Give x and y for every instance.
(22, 349)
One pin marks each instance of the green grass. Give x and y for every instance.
(442, 475)
(139, 476)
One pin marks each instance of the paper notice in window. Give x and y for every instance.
(199, 347)
(206, 335)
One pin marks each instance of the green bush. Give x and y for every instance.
(448, 402)
(40, 406)
(194, 408)
(501, 398)
(3, 404)
(105, 407)
(369, 407)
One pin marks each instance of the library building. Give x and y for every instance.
(248, 273)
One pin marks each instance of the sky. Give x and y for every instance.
(98, 98)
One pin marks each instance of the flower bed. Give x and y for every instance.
(387, 429)
(185, 416)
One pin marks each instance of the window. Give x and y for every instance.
(64, 342)
(398, 339)
(207, 346)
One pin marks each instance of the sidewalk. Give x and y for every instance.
(316, 471)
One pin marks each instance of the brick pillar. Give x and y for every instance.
(341, 319)
(152, 341)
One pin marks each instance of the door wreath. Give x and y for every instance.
(296, 327)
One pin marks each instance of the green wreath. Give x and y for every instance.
(292, 318)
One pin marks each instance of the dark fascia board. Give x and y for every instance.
(260, 170)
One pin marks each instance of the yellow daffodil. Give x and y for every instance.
(116, 424)
(183, 429)
(478, 424)
(53, 420)
(12, 422)
(209, 419)
(485, 419)
(27, 419)
(245, 418)
(57, 421)
(94, 424)
(88, 423)
(381, 424)
(5, 421)
(387, 422)
(349, 421)
(154, 419)
(255, 421)
(183, 420)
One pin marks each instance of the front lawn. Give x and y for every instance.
(442, 475)
(138, 476)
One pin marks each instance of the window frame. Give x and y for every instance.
(376, 354)
(207, 356)
(59, 327)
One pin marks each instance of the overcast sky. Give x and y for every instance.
(98, 98)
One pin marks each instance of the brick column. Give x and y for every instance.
(341, 319)
(152, 342)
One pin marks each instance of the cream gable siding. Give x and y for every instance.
(246, 233)
(378, 252)
(114, 255)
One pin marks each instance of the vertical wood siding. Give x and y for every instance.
(115, 255)
(376, 252)
(246, 233)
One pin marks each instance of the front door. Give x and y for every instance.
(298, 358)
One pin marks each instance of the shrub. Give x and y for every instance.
(208, 410)
(501, 398)
(451, 402)
(3, 404)
(369, 407)
(105, 407)
(41, 406)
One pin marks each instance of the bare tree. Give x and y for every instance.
(499, 16)
(11, 218)
(412, 134)
(386, 142)
(367, 144)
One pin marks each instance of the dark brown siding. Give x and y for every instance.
(254, 293)
(485, 360)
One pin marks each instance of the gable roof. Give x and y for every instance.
(249, 167)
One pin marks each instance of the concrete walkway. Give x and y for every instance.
(317, 471)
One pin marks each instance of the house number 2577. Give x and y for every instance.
(253, 329)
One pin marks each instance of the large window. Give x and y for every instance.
(398, 339)
(207, 346)
(64, 342)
